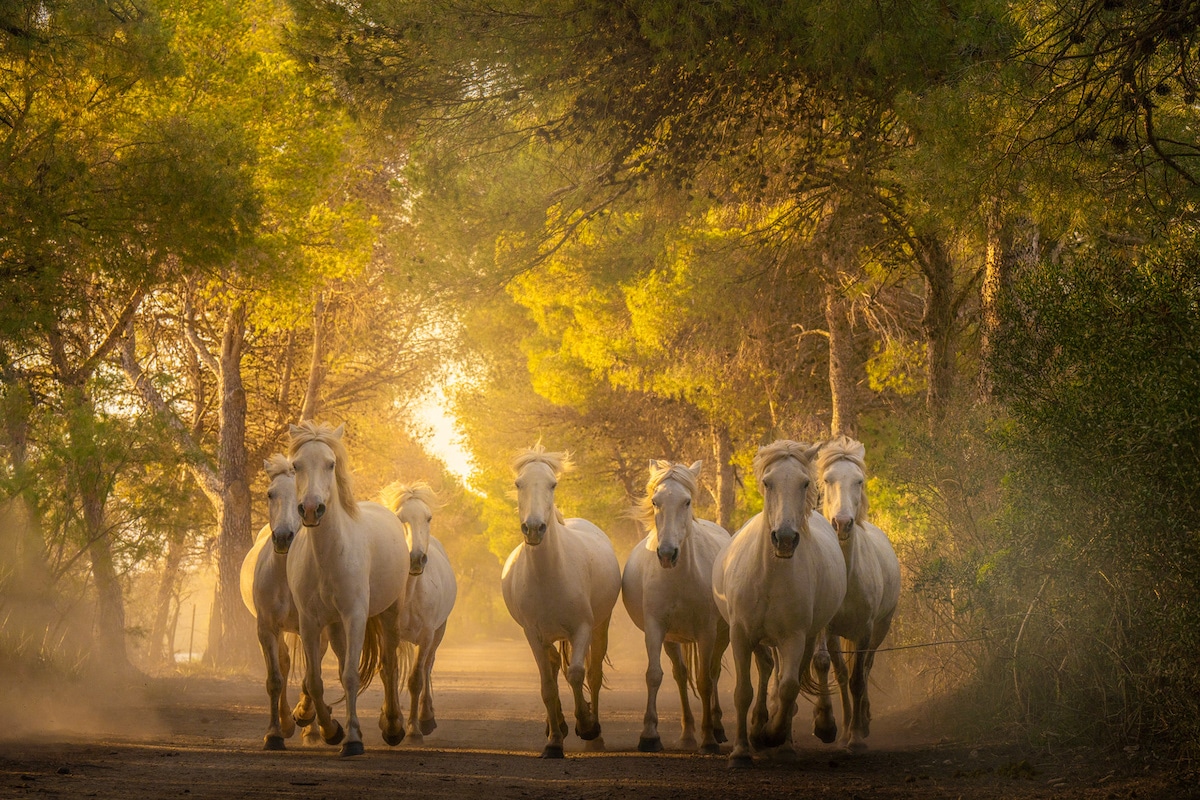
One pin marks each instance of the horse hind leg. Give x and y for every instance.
(416, 685)
(765, 661)
(391, 719)
(824, 724)
(269, 642)
(596, 652)
(860, 722)
(679, 671)
(428, 721)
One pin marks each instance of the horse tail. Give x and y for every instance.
(296, 650)
(564, 654)
(406, 658)
(691, 662)
(817, 672)
(368, 662)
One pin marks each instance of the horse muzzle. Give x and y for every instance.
(310, 514)
(667, 558)
(844, 526)
(281, 540)
(784, 542)
(534, 532)
(416, 563)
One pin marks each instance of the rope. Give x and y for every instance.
(913, 646)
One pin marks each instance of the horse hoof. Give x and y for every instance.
(594, 745)
(338, 734)
(352, 749)
(304, 722)
(552, 751)
(415, 737)
(719, 735)
(648, 744)
(428, 726)
(393, 739)
(589, 734)
(687, 743)
(713, 749)
(857, 746)
(742, 761)
(827, 735)
(273, 742)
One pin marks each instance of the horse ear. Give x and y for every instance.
(293, 430)
(653, 464)
(266, 463)
(696, 467)
(339, 430)
(811, 452)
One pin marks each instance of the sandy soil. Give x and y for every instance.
(201, 736)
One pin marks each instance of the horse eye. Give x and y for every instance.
(270, 495)
(429, 518)
(687, 503)
(554, 485)
(330, 465)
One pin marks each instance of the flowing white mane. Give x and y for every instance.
(661, 472)
(395, 495)
(277, 465)
(309, 431)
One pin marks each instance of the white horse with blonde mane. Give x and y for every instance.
(667, 589)
(778, 583)
(872, 591)
(428, 599)
(560, 585)
(266, 593)
(347, 565)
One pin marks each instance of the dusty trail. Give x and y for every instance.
(201, 737)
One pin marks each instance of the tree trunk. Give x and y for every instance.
(842, 386)
(316, 370)
(726, 476)
(1011, 245)
(161, 648)
(937, 323)
(110, 603)
(229, 636)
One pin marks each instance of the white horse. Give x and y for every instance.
(667, 589)
(872, 591)
(428, 600)
(560, 585)
(778, 583)
(347, 565)
(266, 594)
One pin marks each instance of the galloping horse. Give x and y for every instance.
(778, 583)
(427, 601)
(347, 565)
(667, 589)
(872, 590)
(560, 585)
(266, 594)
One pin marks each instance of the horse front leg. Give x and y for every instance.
(679, 671)
(595, 679)
(649, 741)
(794, 656)
(837, 658)
(354, 626)
(707, 688)
(587, 722)
(310, 640)
(268, 641)
(391, 719)
(765, 660)
(824, 725)
(721, 643)
(860, 722)
(743, 693)
(416, 686)
(428, 721)
(287, 724)
(547, 663)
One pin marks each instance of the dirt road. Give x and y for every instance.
(201, 736)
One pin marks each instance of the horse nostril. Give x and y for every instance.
(300, 508)
(321, 510)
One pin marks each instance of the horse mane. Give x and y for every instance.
(786, 448)
(843, 448)
(277, 465)
(557, 462)
(395, 495)
(661, 472)
(309, 431)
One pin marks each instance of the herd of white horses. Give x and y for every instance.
(800, 580)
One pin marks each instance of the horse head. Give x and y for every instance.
(841, 465)
(668, 507)
(782, 469)
(537, 476)
(282, 513)
(322, 475)
(413, 506)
